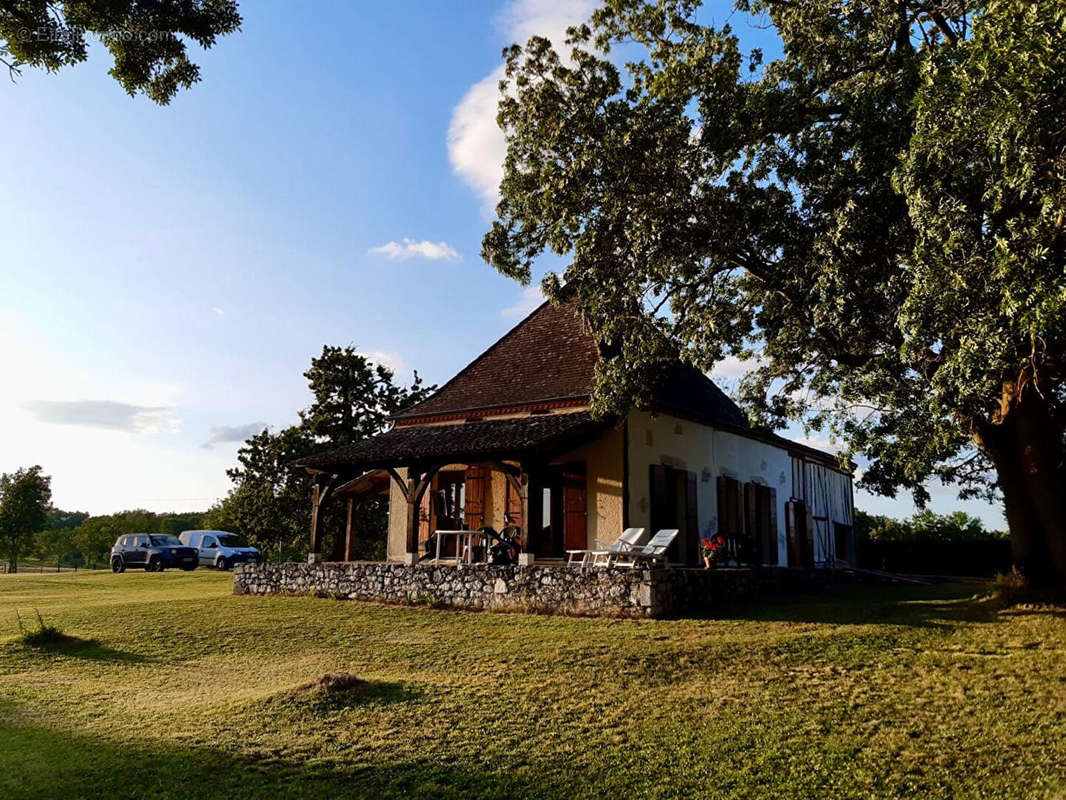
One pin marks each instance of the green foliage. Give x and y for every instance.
(924, 526)
(54, 544)
(270, 503)
(25, 497)
(877, 217)
(354, 397)
(146, 39)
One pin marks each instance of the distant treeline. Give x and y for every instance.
(76, 539)
(931, 544)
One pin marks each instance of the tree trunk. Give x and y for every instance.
(1026, 447)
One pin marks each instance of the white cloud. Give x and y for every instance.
(393, 361)
(530, 298)
(822, 443)
(732, 368)
(409, 248)
(105, 414)
(218, 311)
(234, 433)
(476, 145)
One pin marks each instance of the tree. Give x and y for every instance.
(55, 542)
(146, 38)
(25, 497)
(924, 526)
(270, 503)
(875, 219)
(354, 397)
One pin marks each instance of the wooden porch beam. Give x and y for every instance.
(399, 481)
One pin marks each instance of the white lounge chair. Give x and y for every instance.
(652, 554)
(630, 539)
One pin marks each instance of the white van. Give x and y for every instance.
(220, 549)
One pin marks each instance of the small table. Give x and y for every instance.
(464, 544)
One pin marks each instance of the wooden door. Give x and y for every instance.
(795, 513)
(513, 514)
(425, 514)
(575, 511)
(474, 510)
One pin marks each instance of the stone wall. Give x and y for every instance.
(542, 589)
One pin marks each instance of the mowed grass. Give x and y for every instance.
(176, 688)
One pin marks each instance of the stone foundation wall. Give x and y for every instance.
(542, 589)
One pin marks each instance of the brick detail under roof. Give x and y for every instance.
(547, 356)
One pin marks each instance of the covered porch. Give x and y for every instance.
(527, 475)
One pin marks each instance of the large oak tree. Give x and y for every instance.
(877, 216)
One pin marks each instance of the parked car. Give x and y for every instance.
(220, 549)
(152, 551)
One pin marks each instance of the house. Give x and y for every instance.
(511, 439)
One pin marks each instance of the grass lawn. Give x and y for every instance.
(179, 689)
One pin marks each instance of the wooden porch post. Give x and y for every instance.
(414, 497)
(349, 534)
(316, 540)
(524, 555)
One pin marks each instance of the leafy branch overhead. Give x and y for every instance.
(147, 39)
(875, 218)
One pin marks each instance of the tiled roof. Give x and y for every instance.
(687, 392)
(523, 438)
(547, 356)
(550, 356)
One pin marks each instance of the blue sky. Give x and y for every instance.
(167, 273)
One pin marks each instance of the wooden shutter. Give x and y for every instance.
(690, 555)
(514, 505)
(575, 511)
(751, 525)
(767, 524)
(657, 490)
(793, 509)
(424, 515)
(474, 510)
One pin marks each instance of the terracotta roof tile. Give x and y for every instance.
(547, 356)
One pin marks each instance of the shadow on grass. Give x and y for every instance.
(41, 763)
(941, 606)
(62, 644)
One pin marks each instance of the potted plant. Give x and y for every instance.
(712, 549)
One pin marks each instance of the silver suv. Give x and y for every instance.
(220, 549)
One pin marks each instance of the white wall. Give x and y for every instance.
(665, 439)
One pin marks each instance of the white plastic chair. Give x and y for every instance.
(652, 554)
(630, 539)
